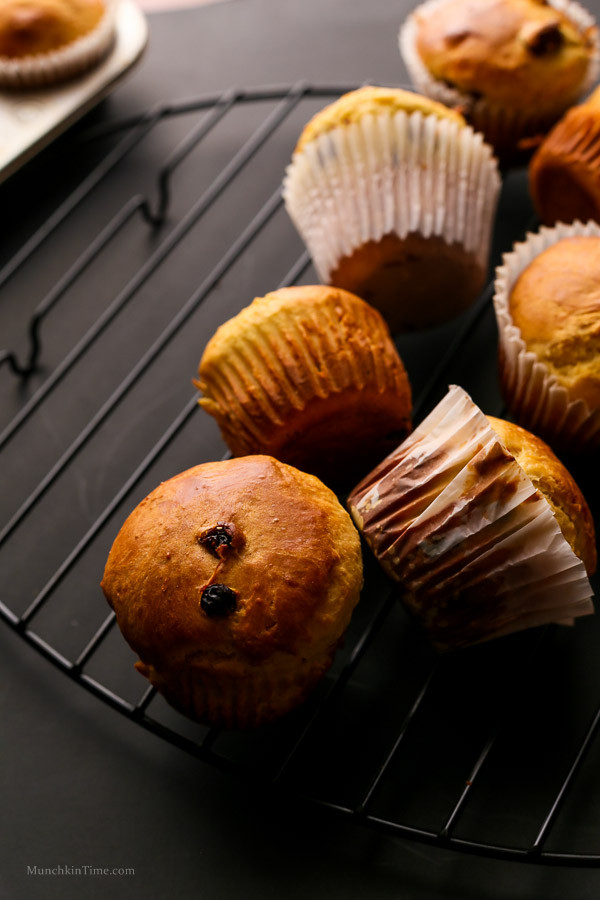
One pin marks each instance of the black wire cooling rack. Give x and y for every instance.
(175, 224)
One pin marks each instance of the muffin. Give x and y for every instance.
(394, 196)
(564, 174)
(513, 66)
(47, 41)
(480, 524)
(234, 583)
(310, 376)
(547, 305)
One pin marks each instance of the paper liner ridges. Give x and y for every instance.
(454, 519)
(392, 173)
(535, 397)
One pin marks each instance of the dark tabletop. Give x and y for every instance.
(80, 784)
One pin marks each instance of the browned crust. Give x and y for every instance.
(555, 304)
(509, 51)
(295, 566)
(554, 481)
(564, 174)
(415, 282)
(31, 27)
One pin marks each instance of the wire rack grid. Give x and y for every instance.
(465, 751)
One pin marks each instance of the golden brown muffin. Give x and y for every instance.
(311, 376)
(234, 583)
(517, 64)
(30, 27)
(564, 174)
(479, 524)
(394, 196)
(558, 486)
(555, 304)
(514, 52)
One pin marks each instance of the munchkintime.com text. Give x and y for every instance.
(80, 870)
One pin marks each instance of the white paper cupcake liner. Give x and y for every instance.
(535, 397)
(502, 126)
(453, 518)
(64, 63)
(392, 173)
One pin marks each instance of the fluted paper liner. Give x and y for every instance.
(534, 395)
(394, 173)
(65, 62)
(502, 126)
(453, 518)
(284, 368)
(240, 696)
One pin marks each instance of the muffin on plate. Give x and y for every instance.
(394, 196)
(512, 66)
(47, 41)
(234, 583)
(564, 173)
(310, 376)
(547, 304)
(480, 524)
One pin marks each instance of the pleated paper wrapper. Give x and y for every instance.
(457, 523)
(534, 395)
(502, 126)
(394, 173)
(66, 62)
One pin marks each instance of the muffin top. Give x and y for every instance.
(557, 485)
(234, 560)
(519, 52)
(366, 101)
(30, 27)
(555, 303)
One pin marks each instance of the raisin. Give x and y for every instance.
(219, 540)
(218, 600)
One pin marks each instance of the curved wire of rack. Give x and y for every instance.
(153, 212)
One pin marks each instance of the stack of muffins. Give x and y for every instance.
(235, 581)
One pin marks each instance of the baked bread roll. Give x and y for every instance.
(394, 196)
(514, 66)
(482, 527)
(234, 583)
(310, 376)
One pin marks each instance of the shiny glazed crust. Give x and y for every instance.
(311, 376)
(557, 485)
(555, 304)
(509, 51)
(564, 173)
(294, 564)
(32, 27)
(353, 106)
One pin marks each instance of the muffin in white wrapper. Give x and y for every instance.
(504, 125)
(454, 519)
(395, 196)
(534, 394)
(36, 70)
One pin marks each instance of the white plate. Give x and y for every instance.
(29, 120)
